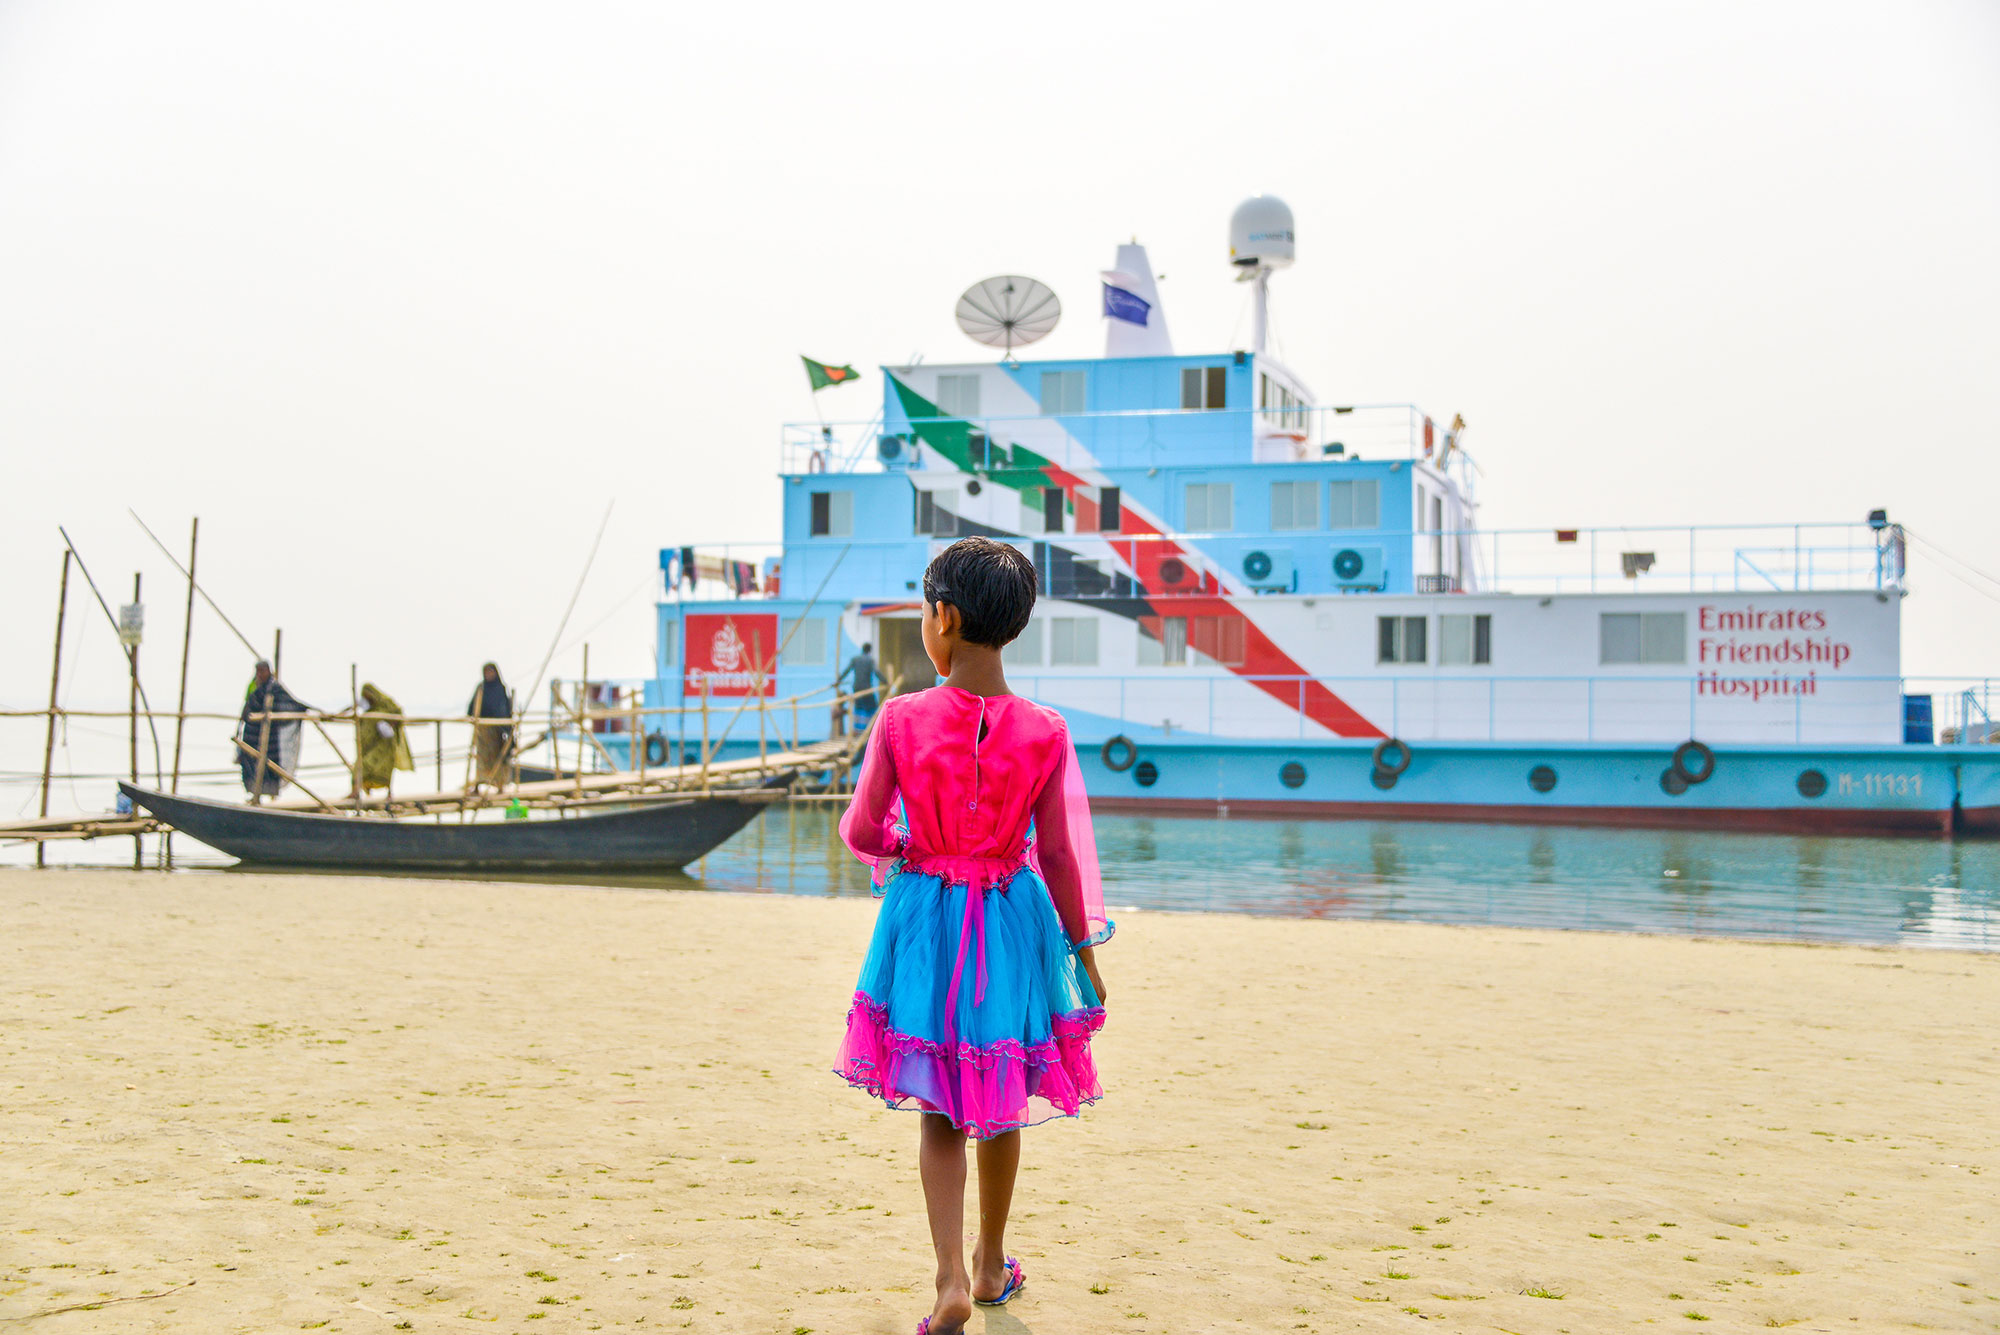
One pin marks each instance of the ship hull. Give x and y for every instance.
(1854, 790)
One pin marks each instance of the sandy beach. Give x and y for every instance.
(289, 1103)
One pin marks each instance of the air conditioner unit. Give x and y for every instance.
(1268, 569)
(894, 451)
(1358, 568)
(1175, 575)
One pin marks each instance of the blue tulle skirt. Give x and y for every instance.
(972, 1004)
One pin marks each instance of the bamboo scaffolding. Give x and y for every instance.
(640, 782)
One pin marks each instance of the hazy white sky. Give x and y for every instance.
(397, 296)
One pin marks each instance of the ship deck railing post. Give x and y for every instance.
(1590, 709)
(1492, 708)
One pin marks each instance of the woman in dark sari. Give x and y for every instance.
(493, 744)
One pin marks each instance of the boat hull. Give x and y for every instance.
(1861, 790)
(658, 836)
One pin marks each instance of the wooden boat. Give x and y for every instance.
(657, 834)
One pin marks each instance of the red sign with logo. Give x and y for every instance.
(736, 653)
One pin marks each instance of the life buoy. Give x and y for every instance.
(1122, 748)
(1402, 750)
(656, 750)
(1704, 758)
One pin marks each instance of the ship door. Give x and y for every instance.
(902, 657)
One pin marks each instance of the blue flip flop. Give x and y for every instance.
(1017, 1280)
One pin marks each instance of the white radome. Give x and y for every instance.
(1260, 233)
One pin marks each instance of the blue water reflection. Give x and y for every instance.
(1887, 891)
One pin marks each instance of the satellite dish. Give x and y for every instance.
(1008, 312)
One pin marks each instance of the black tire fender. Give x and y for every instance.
(1402, 753)
(1118, 753)
(656, 749)
(1703, 758)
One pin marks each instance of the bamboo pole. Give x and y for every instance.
(180, 705)
(704, 732)
(763, 706)
(263, 759)
(309, 715)
(55, 682)
(635, 739)
(354, 706)
(132, 652)
(263, 753)
(438, 725)
(582, 704)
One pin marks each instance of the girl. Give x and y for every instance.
(980, 991)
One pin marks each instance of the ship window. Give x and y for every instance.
(1052, 509)
(670, 636)
(1168, 648)
(1211, 507)
(1108, 509)
(804, 641)
(935, 515)
(1465, 641)
(1072, 641)
(1062, 393)
(1025, 649)
(832, 514)
(1204, 386)
(1642, 637)
(1294, 505)
(1355, 504)
(1399, 640)
(958, 395)
(1218, 639)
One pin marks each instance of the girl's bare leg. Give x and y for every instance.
(999, 1161)
(941, 1165)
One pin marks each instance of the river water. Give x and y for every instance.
(1788, 887)
(1811, 888)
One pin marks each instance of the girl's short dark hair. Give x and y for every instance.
(990, 583)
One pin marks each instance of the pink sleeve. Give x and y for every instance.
(1065, 851)
(871, 826)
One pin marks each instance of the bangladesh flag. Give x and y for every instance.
(823, 375)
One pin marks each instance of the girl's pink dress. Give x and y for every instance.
(972, 1002)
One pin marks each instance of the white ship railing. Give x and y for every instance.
(1475, 706)
(1470, 705)
(1700, 558)
(1146, 437)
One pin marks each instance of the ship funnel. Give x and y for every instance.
(1135, 325)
